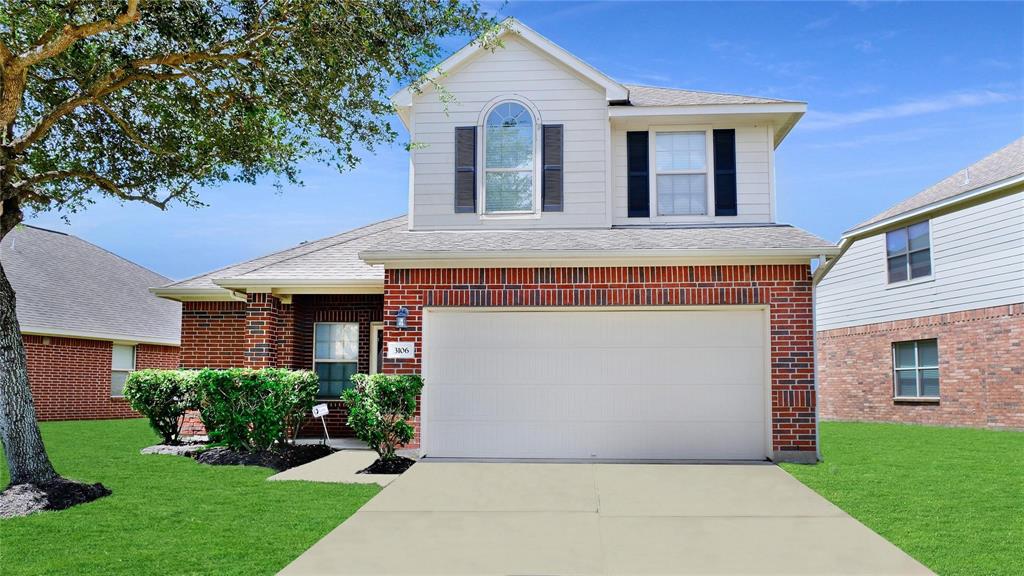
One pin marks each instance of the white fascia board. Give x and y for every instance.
(992, 188)
(196, 294)
(613, 90)
(708, 109)
(520, 258)
(303, 286)
(89, 335)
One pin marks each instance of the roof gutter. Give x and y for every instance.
(505, 258)
(89, 335)
(197, 294)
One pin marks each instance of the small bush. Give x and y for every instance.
(378, 407)
(249, 410)
(163, 396)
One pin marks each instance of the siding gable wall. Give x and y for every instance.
(977, 262)
(560, 97)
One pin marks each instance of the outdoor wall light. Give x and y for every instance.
(401, 317)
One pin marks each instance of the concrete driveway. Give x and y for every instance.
(546, 519)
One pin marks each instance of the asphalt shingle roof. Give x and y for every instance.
(1000, 165)
(653, 96)
(68, 285)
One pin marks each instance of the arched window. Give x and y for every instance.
(509, 159)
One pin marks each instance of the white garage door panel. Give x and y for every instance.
(635, 384)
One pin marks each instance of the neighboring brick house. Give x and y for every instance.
(87, 319)
(921, 317)
(588, 270)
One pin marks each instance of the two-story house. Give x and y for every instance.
(921, 318)
(588, 269)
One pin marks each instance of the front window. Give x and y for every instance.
(681, 173)
(916, 369)
(122, 363)
(908, 252)
(335, 356)
(509, 159)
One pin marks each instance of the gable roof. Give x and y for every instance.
(68, 287)
(327, 260)
(1000, 167)
(614, 91)
(640, 95)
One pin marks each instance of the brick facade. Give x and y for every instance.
(786, 289)
(70, 377)
(267, 332)
(981, 370)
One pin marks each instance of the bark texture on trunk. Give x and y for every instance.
(23, 445)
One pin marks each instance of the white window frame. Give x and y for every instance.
(709, 172)
(114, 370)
(331, 360)
(481, 161)
(916, 369)
(375, 328)
(931, 258)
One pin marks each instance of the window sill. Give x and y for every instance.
(914, 282)
(509, 215)
(916, 399)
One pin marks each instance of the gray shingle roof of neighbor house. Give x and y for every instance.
(640, 95)
(67, 286)
(339, 259)
(1001, 165)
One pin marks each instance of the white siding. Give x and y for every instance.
(560, 96)
(755, 187)
(977, 261)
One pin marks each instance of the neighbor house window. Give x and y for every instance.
(908, 252)
(681, 173)
(335, 356)
(916, 369)
(121, 363)
(509, 159)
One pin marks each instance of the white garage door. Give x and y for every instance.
(609, 384)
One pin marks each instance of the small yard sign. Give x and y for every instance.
(320, 410)
(401, 350)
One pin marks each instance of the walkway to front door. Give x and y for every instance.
(514, 518)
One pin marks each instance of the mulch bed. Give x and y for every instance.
(23, 499)
(280, 458)
(394, 466)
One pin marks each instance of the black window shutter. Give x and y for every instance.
(465, 169)
(638, 183)
(551, 156)
(725, 172)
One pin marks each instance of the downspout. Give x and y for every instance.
(814, 342)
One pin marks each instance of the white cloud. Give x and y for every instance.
(866, 46)
(821, 23)
(827, 120)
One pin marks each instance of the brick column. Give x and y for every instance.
(261, 328)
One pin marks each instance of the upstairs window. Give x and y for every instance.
(509, 159)
(916, 369)
(122, 363)
(335, 356)
(681, 173)
(908, 252)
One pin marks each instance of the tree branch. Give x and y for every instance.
(126, 127)
(48, 48)
(101, 182)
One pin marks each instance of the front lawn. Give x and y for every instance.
(168, 514)
(951, 498)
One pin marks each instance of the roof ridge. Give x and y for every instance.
(283, 250)
(98, 247)
(347, 240)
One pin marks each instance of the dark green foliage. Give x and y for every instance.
(249, 410)
(163, 396)
(378, 409)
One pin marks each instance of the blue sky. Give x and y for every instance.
(900, 95)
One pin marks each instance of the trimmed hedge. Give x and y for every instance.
(249, 410)
(378, 409)
(163, 396)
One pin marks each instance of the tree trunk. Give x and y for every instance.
(23, 445)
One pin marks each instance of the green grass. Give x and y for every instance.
(951, 498)
(167, 514)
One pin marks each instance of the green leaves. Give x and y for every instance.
(379, 407)
(250, 410)
(163, 396)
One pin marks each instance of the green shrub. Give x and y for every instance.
(250, 410)
(378, 409)
(163, 396)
